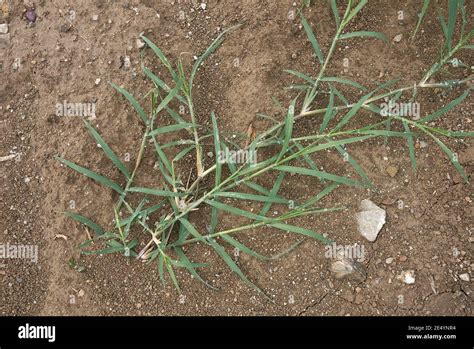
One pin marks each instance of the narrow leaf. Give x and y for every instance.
(132, 101)
(95, 176)
(107, 150)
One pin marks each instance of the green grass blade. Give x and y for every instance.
(156, 192)
(163, 158)
(301, 231)
(339, 95)
(107, 150)
(183, 153)
(452, 157)
(108, 250)
(251, 197)
(335, 12)
(288, 129)
(160, 83)
(354, 110)
(170, 128)
(170, 270)
(326, 191)
(319, 174)
(444, 26)
(446, 109)
(300, 75)
(232, 265)
(92, 175)
(355, 10)
(132, 101)
(186, 263)
(421, 16)
(273, 194)
(329, 113)
(87, 222)
(145, 213)
(453, 9)
(234, 210)
(218, 173)
(161, 56)
(241, 247)
(173, 93)
(135, 215)
(221, 252)
(176, 117)
(363, 34)
(217, 149)
(356, 166)
(161, 264)
(386, 85)
(318, 147)
(215, 44)
(312, 39)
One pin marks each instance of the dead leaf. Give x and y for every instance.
(60, 236)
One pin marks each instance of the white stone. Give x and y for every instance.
(465, 277)
(370, 219)
(126, 62)
(4, 28)
(140, 43)
(407, 277)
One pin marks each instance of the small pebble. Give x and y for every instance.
(402, 258)
(407, 277)
(4, 28)
(126, 62)
(391, 171)
(31, 16)
(398, 38)
(140, 43)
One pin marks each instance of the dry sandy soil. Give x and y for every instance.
(62, 55)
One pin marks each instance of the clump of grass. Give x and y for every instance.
(164, 241)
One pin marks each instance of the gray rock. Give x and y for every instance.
(370, 219)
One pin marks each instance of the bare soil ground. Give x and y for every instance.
(61, 58)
